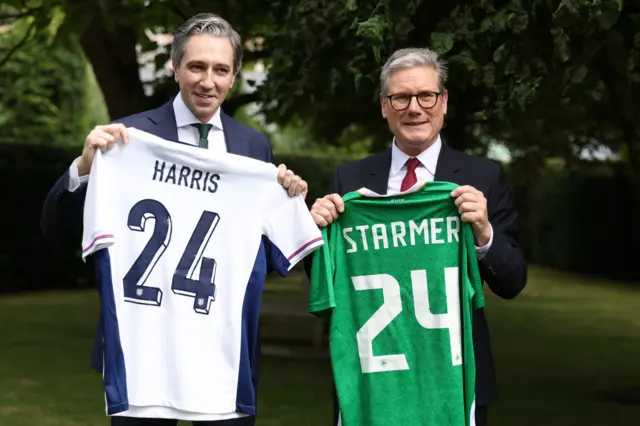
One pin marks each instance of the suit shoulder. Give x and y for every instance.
(134, 120)
(368, 163)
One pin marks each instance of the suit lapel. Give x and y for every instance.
(447, 168)
(378, 178)
(165, 121)
(234, 136)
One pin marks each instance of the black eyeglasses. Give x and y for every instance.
(400, 101)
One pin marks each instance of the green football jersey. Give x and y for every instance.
(399, 277)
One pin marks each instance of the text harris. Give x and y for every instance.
(185, 176)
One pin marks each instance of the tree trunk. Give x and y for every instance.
(115, 64)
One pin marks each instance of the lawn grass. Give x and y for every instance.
(558, 347)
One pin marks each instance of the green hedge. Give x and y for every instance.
(581, 221)
(26, 261)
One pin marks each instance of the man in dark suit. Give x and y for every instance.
(414, 103)
(206, 55)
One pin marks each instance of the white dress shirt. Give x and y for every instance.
(189, 134)
(186, 134)
(425, 172)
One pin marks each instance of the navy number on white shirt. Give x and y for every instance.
(201, 289)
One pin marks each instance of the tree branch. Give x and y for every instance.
(14, 16)
(21, 43)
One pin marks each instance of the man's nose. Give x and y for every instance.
(207, 80)
(414, 107)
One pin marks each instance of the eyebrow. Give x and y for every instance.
(201, 62)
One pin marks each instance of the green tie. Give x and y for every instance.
(203, 130)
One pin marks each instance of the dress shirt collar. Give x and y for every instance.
(428, 158)
(184, 117)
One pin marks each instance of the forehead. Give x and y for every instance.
(208, 49)
(413, 80)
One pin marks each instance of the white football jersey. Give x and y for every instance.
(180, 238)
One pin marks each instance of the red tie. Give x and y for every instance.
(410, 178)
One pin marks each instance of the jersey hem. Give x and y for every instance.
(249, 410)
(117, 408)
(161, 412)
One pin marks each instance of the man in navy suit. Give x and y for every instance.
(206, 54)
(414, 103)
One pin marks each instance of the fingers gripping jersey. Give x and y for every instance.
(179, 237)
(399, 279)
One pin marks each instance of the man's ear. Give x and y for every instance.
(175, 71)
(445, 99)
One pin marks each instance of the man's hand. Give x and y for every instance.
(472, 207)
(102, 138)
(326, 209)
(291, 182)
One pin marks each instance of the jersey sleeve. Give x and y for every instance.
(321, 292)
(97, 232)
(290, 228)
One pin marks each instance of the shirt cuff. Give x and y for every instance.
(75, 181)
(481, 252)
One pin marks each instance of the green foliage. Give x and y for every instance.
(545, 77)
(45, 88)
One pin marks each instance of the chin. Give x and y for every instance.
(416, 139)
(205, 110)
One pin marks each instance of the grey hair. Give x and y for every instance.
(414, 57)
(209, 24)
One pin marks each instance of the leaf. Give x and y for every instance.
(608, 18)
(578, 75)
(373, 29)
(561, 45)
(486, 24)
(500, 20)
(501, 53)
(489, 75)
(441, 43)
(518, 21)
(57, 19)
(598, 92)
(480, 116)
(377, 54)
(563, 16)
(351, 5)
(512, 65)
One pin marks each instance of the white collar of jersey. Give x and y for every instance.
(184, 117)
(428, 158)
